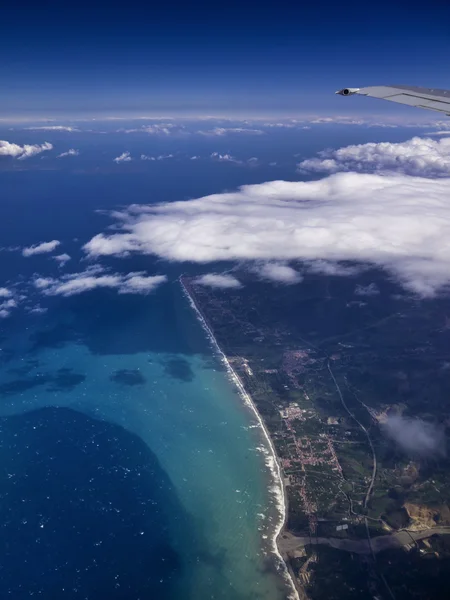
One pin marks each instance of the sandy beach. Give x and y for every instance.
(272, 462)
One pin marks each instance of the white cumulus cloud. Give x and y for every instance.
(124, 157)
(71, 152)
(423, 157)
(398, 222)
(37, 310)
(94, 278)
(22, 152)
(9, 301)
(218, 280)
(224, 157)
(279, 273)
(62, 258)
(140, 283)
(42, 248)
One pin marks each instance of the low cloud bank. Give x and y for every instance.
(53, 128)
(397, 222)
(221, 131)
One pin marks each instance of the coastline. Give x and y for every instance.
(274, 464)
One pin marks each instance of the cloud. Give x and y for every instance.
(71, 152)
(160, 157)
(41, 283)
(37, 310)
(22, 152)
(218, 280)
(423, 157)
(124, 157)
(368, 290)
(224, 157)
(9, 302)
(95, 277)
(352, 120)
(398, 222)
(327, 267)
(52, 128)
(281, 125)
(221, 131)
(414, 436)
(279, 273)
(337, 120)
(156, 129)
(62, 259)
(139, 283)
(6, 307)
(42, 248)
(436, 133)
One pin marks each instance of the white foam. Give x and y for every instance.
(277, 489)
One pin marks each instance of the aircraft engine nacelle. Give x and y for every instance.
(348, 91)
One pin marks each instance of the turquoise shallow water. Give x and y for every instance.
(193, 519)
(130, 467)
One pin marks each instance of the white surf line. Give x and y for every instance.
(276, 472)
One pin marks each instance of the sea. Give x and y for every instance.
(131, 467)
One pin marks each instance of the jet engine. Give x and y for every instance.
(348, 91)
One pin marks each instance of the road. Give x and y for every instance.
(374, 456)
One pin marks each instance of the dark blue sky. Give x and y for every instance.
(273, 58)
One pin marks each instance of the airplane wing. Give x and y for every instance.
(429, 99)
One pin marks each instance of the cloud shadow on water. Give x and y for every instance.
(178, 368)
(19, 386)
(64, 380)
(29, 366)
(128, 377)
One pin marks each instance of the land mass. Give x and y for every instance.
(327, 363)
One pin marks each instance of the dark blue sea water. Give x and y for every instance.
(130, 467)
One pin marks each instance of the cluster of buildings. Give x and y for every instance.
(304, 452)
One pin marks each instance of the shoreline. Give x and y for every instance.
(275, 468)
